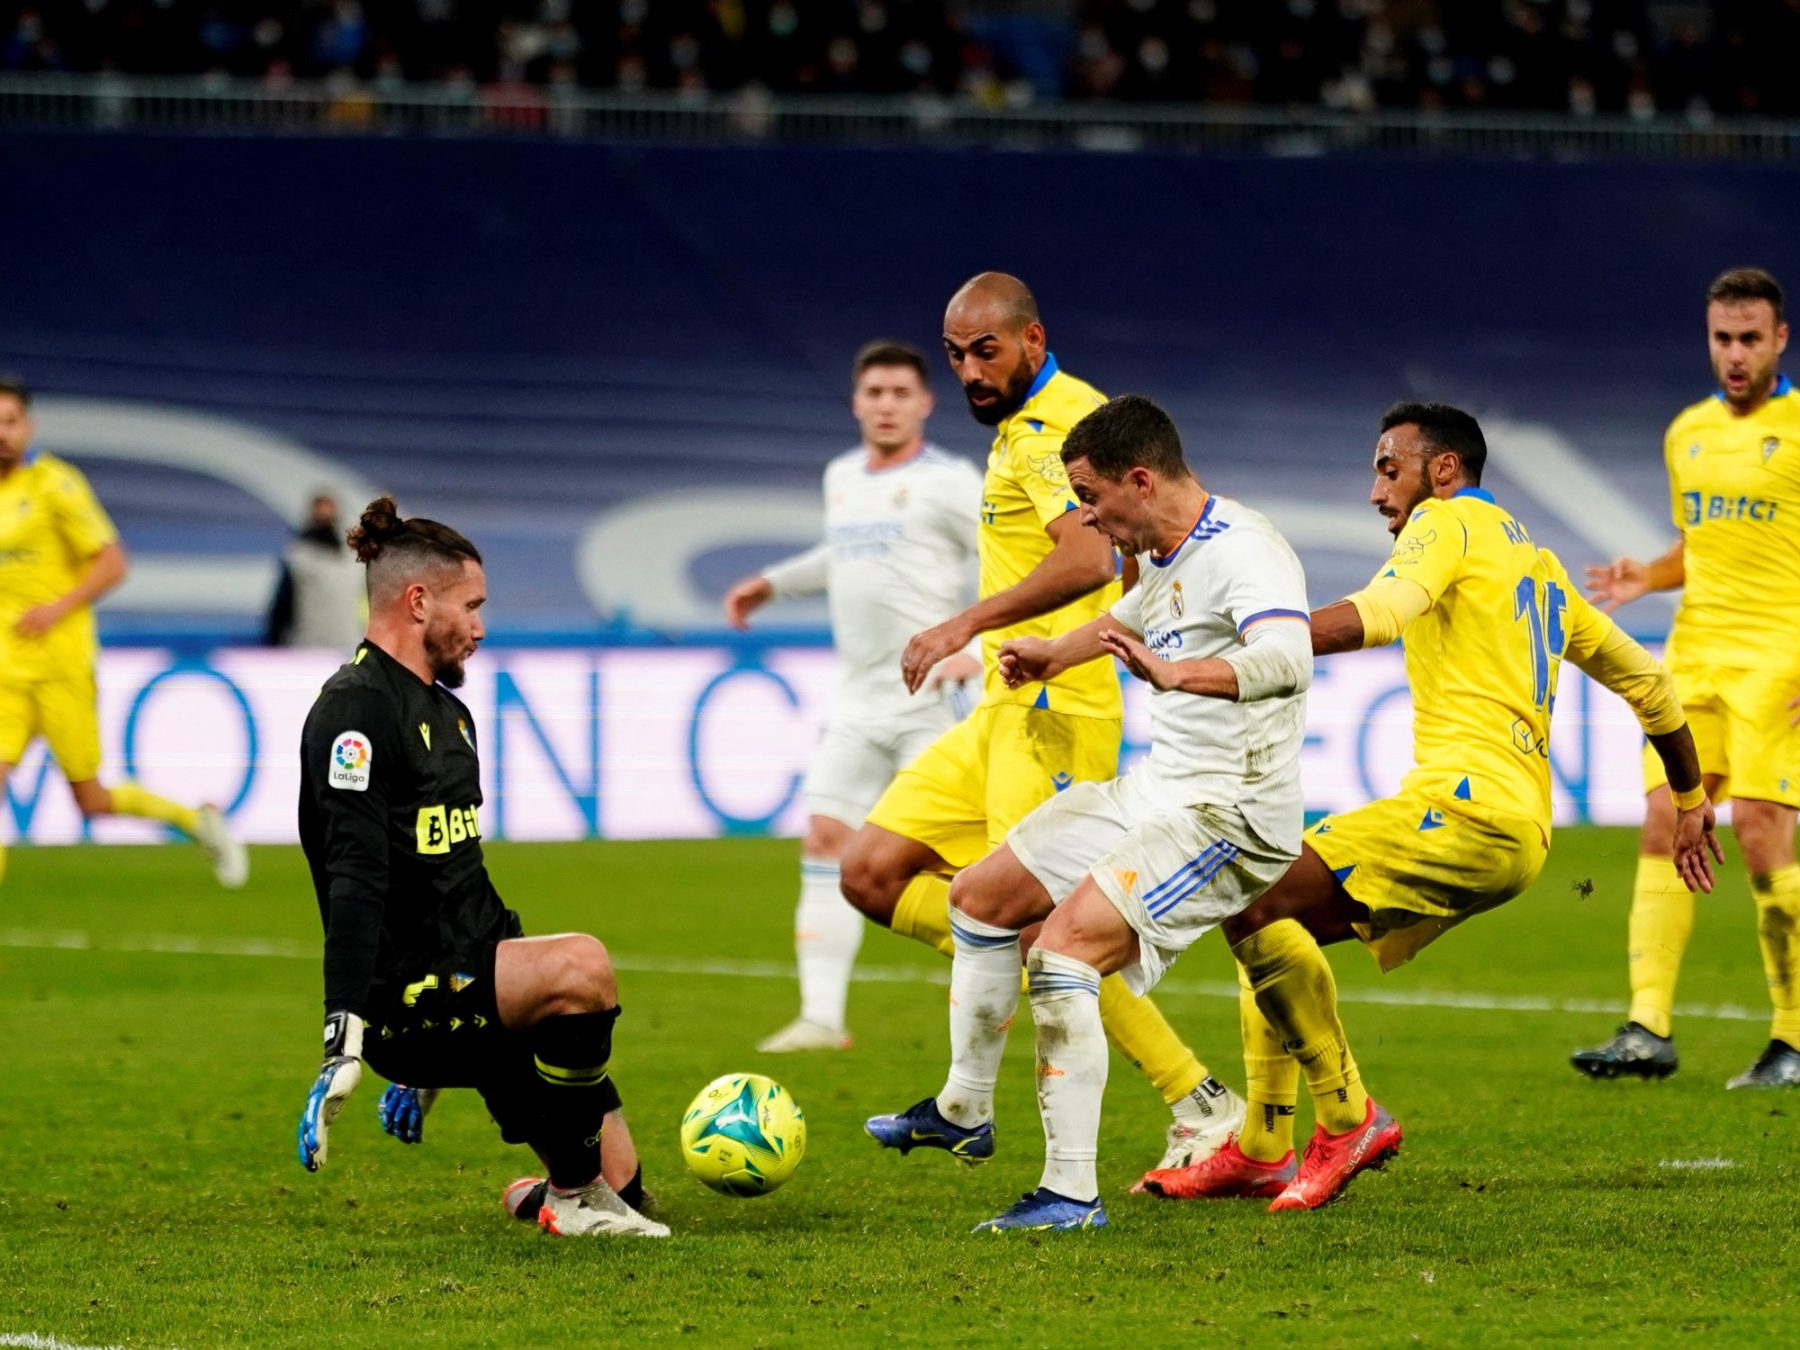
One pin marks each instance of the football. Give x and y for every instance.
(743, 1135)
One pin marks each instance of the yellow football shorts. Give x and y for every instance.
(64, 712)
(989, 771)
(1743, 730)
(1423, 866)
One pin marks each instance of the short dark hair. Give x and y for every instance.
(1127, 432)
(12, 384)
(1746, 283)
(884, 353)
(398, 550)
(1445, 430)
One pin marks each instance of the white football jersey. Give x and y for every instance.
(1232, 571)
(898, 557)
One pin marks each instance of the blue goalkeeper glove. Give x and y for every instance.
(338, 1077)
(403, 1109)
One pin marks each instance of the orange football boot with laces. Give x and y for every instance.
(1332, 1159)
(1228, 1174)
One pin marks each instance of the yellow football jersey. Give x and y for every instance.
(1734, 488)
(1026, 488)
(51, 525)
(1483, 660)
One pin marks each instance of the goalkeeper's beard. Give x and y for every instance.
(446, 664)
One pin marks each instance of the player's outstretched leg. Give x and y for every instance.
(828, 933)
(1296, 991)
(205, 825)
(1259, 1162)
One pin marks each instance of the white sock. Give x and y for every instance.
(984, 995)
(1071, 1054)
(1204, 1106)
(827, 935)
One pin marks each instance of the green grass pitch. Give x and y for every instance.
(151, 1079)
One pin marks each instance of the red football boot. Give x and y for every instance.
(1228, 1174)
(1332, 1159)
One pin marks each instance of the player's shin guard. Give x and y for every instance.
(1778, 933)
(128, 799)
(923, 912)
(828, 933)
(1297, 992)
(571, 1054)
(984, 996)
(1071, 1069)
(1662, 917)
(1271, 1083)
(1144, 1036)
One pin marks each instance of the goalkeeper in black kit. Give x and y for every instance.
(428, 976)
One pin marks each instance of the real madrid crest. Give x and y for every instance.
(1175, 599)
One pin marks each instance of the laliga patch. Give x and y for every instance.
(351, 758)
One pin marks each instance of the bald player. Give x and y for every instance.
(1041, 575)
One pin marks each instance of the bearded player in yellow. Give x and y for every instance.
(1488, 619)
(1042, 575)
(58, 554)
(1734, 483)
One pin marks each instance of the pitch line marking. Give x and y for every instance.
(30, 1340)
(182, 944)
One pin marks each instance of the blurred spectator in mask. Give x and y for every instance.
(320, 599)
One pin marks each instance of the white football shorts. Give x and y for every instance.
(857, 757)
(1173, 873)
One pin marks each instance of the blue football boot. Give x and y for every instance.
(922, 1126)
(1041, 1210)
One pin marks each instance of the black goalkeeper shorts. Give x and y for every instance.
(441, 1028)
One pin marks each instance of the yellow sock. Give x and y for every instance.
(2, 862)
(128, 799)
(1271, 1083)
(923, 912)
(1778, 931)
(1144, 1036)
(1297, 992)
(1662, 917)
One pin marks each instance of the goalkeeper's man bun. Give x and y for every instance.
(380, 522)
(396, 550)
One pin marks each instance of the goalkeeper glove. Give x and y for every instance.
(403, 1109)
(338, 1077)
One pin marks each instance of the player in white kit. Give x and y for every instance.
(1127, 874)
(898, 556)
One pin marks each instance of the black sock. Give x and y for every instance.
(571, 1053)
(632, 1192)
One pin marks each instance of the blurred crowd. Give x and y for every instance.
(1580, 56)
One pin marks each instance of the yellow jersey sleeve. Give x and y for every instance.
(81, 520)
(1430, 551)
(1039, 472)
(1603, 652)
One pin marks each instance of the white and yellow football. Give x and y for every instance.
(743, 1135)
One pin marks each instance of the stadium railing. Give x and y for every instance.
(110, 101)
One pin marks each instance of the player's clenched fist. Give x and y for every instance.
(338, 1077)
(1025, 660)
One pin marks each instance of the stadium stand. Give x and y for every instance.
(1639, 57)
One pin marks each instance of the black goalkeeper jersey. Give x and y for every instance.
(390, 792)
